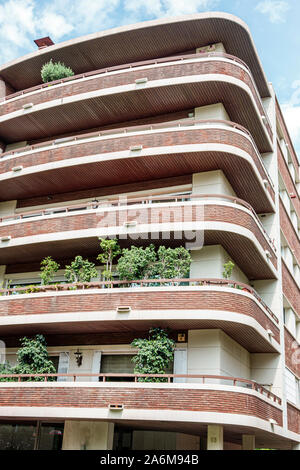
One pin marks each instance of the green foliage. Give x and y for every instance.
(146, 263)
(48, 268)
(6, 369)
(137, 263)
(154, 354)
(228, 268)
(80, 270)
(32, 358)
(55, 71)
(173, 263)
(110, 250)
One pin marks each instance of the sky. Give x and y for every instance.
(274, 26)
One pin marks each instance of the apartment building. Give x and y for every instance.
(168, 133)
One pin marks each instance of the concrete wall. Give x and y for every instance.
(212, 182)
(212, 352)
(88, 435)
(208, 262)
(7, 208)
(265, 369)
(212, 111)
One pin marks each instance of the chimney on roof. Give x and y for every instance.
(44, 42)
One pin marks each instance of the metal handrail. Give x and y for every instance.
(102, 204)
(141, 64)
(131, 65)
(235, 381)
(142, 283)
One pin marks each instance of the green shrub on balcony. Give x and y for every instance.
(32, 358)
(80, 270)
(52, 71)
(48, 268)
(154, 355)
(147, 263)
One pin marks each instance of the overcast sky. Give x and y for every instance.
(274, 25)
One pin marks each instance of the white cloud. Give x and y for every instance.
(275, 9)
(168, 7)
(22, 21)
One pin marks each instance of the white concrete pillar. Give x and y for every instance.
(248, 442)
(88, 435)
(296, 446)
(215, 437)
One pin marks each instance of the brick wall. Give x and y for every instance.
(186, 137)
(293, 418)
(289, 183)
(138, 300)
(288, 230)
(292, 353)
(144, 216)
(142, 399)
(290, 289)
(171, 71)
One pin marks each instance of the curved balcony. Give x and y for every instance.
(212, 400)
(110, 158)
(109, 96)
(157, 38)
(177, 304)
(194, 220)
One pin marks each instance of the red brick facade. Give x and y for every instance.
(292, 353)
(214, 401)
(293, 414)
(161, 139)
(153, 215)
(290, 289)
(138, 300)
(166, 72)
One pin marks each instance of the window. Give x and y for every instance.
(117, 364)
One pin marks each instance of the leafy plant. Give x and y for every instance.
(80, 270)
(32, 358)
(228, 268)
(48, 268)
(110, 250)
(173, 262)
(137, 263)
(55, 71)
(154, 354)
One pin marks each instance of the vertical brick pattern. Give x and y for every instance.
(292, 353)
(290, 289)
(293, 415)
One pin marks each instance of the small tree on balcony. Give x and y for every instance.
(173, 263)
(137, 263)
(228, 268)
(48, 268)
(110, 250)
(154, 355)
(52, 71)
(80, 270)
(32, 358)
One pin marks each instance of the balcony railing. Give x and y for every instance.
(128, 66)
(140, 128)
(156, 283)
(103, 204)
(169, 378)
